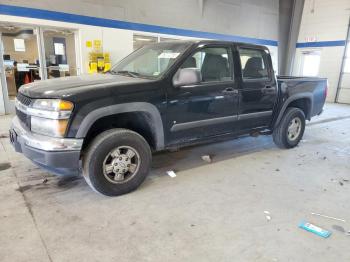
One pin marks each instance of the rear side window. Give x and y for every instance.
(253, 63)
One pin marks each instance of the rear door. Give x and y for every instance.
(258, 88)
(209, 107)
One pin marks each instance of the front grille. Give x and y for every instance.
(24, 99)
(23, 117)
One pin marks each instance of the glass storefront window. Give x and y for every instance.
(32, 53)
(20, 56)
(60, 55)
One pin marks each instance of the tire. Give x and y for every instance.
(110, 150)
(281, 135)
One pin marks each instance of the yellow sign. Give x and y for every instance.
(97, 44)
(100, 62)
(107, 67)
(92, 67)
(89, 44)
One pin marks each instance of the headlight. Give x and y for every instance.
(49, 127)
(52, 104)
(51, 108)
(50, 116)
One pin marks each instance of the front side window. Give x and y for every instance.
(214, 63)
(253, 63)
(150, 61)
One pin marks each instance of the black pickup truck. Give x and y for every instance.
(162, 96)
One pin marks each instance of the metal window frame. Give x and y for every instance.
(340, 79)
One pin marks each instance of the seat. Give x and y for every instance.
(253, 68)
(214, 68)
(189, 63)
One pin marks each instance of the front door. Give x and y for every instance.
(20, 59)
(258, 89)
(208, 108)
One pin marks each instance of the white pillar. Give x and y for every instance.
(2, 81)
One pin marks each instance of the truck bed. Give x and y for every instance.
(314, 88)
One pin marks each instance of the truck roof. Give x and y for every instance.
(198, 42)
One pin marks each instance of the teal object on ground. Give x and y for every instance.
(315, 229)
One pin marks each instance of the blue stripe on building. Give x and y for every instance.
(95, 21)
(322, 44)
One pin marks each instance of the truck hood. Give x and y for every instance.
(68, 86)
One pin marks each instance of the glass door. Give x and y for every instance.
(60, 55)
(20, 53)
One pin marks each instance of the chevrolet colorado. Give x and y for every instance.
(162, 96)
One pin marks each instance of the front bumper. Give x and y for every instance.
(57, 155)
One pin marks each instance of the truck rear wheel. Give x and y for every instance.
(117, 162)
(291, 128)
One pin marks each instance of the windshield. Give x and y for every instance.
(150, 61)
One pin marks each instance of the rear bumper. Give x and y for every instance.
(59, 156)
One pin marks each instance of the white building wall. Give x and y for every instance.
(250, 18)
(115, 41)
(255, 19)
(324, 20)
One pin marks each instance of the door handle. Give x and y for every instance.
(268, 88)
(230, 90)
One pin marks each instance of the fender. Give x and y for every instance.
(292, 98)
(148, 108)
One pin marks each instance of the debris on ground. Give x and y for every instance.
(341, 183)
(345, 180)
(267, 215)
(325, 216)
(4, 166)
(315, 229)
(324, 158)
(206, 158)
(45, 180)
(277, 170)
(338, 228)
(341, 229)
(171, 173)
(4, 135)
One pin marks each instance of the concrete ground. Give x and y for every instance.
(208, 212)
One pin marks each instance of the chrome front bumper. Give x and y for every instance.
(43, 142)
(57, 155)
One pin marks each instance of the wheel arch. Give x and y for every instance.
(303, 101)
(146, 113)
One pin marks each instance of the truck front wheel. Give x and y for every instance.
(116, 162)
(290, 130)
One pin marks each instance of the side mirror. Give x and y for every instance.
(186, 77)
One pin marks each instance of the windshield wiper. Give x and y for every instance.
(125, 72)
